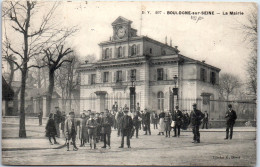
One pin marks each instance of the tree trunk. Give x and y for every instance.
(50, 90)
(22, 131)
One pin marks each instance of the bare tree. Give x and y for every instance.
(227, 84)
(67, 79)
(249, 29)
(54, 58)
(35, 36)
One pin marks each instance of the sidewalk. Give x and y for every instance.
(30, 144)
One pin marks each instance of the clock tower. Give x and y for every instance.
(122, 29)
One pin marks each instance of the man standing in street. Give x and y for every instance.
(147, 120)
(177, 117)
(119, 116)
(71, 130)
(205, 120)
(106, 123)
(126, 128)
(196, 117)
(57, 120)
(40, 117)
(231, 117)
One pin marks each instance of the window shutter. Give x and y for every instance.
(88, 79)
(137, 74)
(114, 76)
(138, 49)
(155, 74)
(110, 53)
(165, 77)
(109, 76)
(128, 75)
(124, 75)
(124, 51)
(116, 50)
(129, 51)
(205, 75)
(103, 53)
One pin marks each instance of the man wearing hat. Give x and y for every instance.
(147, 121)
(106, 123)
(196, 117)
(70, 130)
(177, 117)
(126, 128)
(231, 117)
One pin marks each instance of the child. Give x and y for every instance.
(167, 121)
(92, 130)
(50, 129)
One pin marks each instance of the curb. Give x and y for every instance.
(28, 148)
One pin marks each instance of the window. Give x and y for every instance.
(120, 52)
(213, 78)
(203, 75)
(160, 98)
(105, 78)
(93, 78)
(106, 53)
(163, 52)
(133, 73)
(119, 76)
(159, 74)
(133, 52)
(151, 50)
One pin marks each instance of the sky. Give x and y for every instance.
(216, 38)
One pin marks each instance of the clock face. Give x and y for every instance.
(121, 32)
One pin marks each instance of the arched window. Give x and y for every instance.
(160, 98)
(120, 52)
(106, 53)
(133, 52)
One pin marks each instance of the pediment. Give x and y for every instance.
(121, 20)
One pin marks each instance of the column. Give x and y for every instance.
(100, 101)
(44, 104)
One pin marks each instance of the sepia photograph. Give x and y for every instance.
(129, 83)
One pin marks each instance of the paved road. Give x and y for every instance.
(146, 150)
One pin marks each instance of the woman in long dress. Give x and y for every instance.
(83, 130)
(161, 123)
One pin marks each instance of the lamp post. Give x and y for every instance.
(175, 89)
(132, 93)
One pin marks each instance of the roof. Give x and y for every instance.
(121, 20)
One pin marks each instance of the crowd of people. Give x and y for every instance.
(93, 127)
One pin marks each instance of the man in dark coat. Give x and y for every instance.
(136, 124)
(196, 117)
(177, 117)
(106, 123)
(147, 120)
(205, 120)
(231, 117)
(126, 128)
(57, 120)
(119, 116)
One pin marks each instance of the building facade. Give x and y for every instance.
(154, 65)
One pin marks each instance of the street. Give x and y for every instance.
(146, 150)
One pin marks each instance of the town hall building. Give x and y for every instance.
(154, 65)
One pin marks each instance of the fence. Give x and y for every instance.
(246, 110)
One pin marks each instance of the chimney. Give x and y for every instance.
(166, 40)
(171, 42)
(203, 61)
(110, 38)
(176, 47)
(86, 61)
